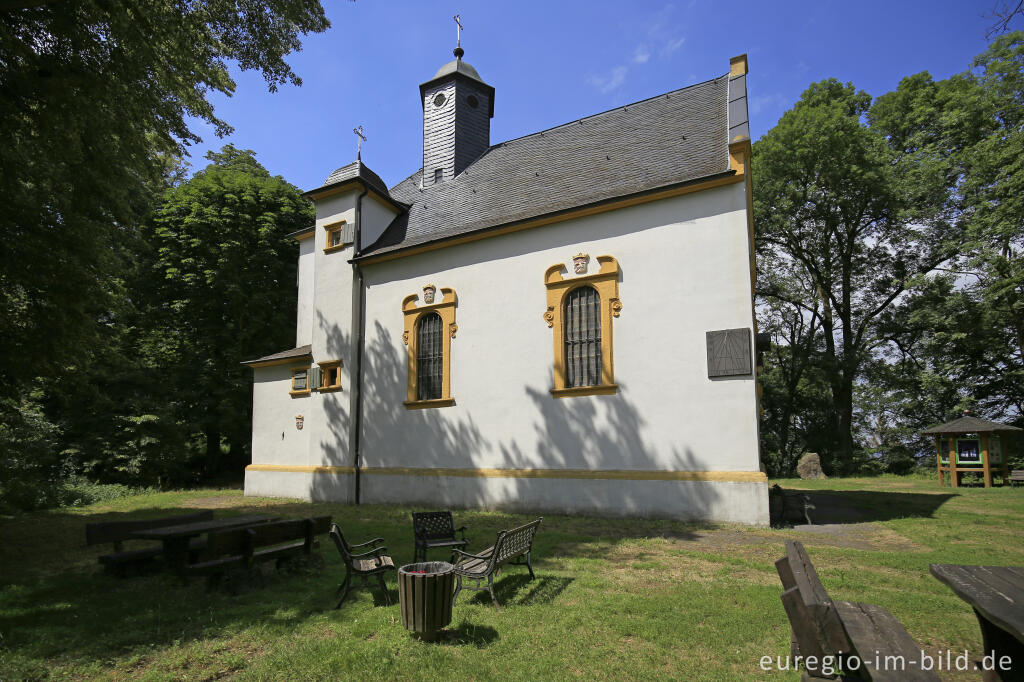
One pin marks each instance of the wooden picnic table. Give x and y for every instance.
(996, 593)
(175, 539)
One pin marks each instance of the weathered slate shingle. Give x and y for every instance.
(666, 140)
(354, 170)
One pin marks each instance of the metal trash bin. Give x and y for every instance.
(425, 595)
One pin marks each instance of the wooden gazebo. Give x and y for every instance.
(971, 445)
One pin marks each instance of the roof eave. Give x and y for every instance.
(555, 216)
(342, 185)
(298, 234)
(279, 359)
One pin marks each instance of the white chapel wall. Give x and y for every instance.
(685, 271)
(304, 281)
(275, 439)
(376, 217)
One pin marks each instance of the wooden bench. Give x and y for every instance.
(117, 532)
(245, 547)
(863, 641)
(435, 530)
(512, 546)
(1016, 476)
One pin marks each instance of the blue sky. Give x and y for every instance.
(555, 62)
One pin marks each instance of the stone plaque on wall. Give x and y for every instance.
(729, 352)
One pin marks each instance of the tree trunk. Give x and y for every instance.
(844, 435)
(212, 450)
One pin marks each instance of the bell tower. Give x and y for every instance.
(457, 110)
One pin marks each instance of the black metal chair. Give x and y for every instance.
(436, 530)
(364, 565)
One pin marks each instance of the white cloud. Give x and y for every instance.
(672, 45)
(659, 20)
(613, 80)
(641, 54)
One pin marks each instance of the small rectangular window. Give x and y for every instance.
(438, 176)
(300, 381)
(330, 376)
(335, 236)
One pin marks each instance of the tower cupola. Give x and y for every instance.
(457, 110)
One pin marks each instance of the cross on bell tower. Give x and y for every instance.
(458, 37)
(362, 138)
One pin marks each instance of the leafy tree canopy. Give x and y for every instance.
(95, 98)
(219, 287)
(890, 238)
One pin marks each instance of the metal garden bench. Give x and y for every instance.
(512, 546)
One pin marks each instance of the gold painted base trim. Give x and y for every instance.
(426, 404)
(301, 469)
(609, 389)
(607, 474)
(300, 394)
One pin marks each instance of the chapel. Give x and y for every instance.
(560, 322)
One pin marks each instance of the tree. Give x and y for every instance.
(95, 98)
(793, 387)
(970, 130)
(945, 353)
(1001, 15)
(993, 186)
(834, 203)
(219, 289)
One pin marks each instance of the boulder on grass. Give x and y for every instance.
(809, 466)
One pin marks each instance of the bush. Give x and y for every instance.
(80, 492)
(31, 468)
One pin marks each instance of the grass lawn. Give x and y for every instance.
(613, 599)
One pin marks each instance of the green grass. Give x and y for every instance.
(613, 599)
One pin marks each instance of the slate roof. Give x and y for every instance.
(457, 66)
(970, 425)
(356, 169)
(299, 352)
(663, 141)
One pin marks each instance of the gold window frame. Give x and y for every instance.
(606, 282)
(412, 313)
(295, 393)
(334, 229)
(325, 368)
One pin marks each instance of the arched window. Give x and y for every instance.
(428, 332)
(580, 311)
(429, 357)
(582, 337)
